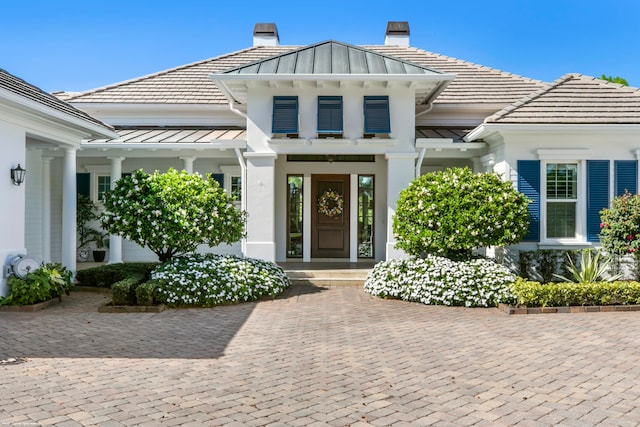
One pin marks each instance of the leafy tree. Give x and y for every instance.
(620, 225)
(454, 211)
(171, 213)
(617, 79)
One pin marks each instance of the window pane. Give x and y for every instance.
(562, 181)
(236, 187)
(294, 216)
(561, 219)
(104, 184)
(365, 216)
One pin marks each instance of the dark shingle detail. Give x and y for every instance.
(20, 87)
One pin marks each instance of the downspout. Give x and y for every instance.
(423, 150)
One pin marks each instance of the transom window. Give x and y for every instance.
(562, 197)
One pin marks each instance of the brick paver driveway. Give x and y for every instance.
(318, 357)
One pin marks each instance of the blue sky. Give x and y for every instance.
(80, 45)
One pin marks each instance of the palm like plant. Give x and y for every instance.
(592, 269)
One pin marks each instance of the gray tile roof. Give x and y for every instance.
(20, 87)
(474, 84)
(186, 135)
(190, 84)
(575, 99)
(331, 57)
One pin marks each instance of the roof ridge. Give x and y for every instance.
(529, 98)
(156, 74)
(462, 61)
(362, 48)
(604, 82)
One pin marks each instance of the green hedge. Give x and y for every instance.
(124, 291)
(106, 275)
(146, 293)
(535, 294)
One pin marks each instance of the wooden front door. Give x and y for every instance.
(330, 216)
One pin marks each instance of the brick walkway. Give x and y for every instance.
(318, 357)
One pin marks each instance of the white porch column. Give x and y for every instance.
(69, 239)
(306, 218)
(115, 241)
(400, 172)
(188, 164)
(46, 208)
(353, 218)
(261, 205)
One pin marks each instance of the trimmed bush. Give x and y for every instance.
(620, 226)
(452, 212)
(209, 280)
(171, 213)
(535, 294)
(440, 281)
(146, 293)
(124, 291)
(106, 275)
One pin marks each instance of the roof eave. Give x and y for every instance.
(485, 129)
(92, 128)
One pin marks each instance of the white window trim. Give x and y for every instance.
(230, 172)
(96, 171)
(581, 227)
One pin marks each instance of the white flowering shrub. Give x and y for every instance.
(440, 281)
(171, 213)
(209, 280)
(454, 211)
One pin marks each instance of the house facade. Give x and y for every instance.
(316, 142)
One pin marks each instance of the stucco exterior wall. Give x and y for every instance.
(12, 152)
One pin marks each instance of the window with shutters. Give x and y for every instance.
(561, 200)
(376, 115)
(285, 115)
(329, 116)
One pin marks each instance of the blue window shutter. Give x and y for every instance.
(285, 114)
(329, 114)
(626, 172)
(597, 195)
(529, 185)
(376, 114)
(219, 177)
(83, 184)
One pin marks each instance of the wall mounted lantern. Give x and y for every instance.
(17, 175)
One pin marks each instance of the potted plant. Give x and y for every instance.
(102, 242)
(85, 213)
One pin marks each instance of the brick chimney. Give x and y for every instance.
(397, 34)
(265, 34)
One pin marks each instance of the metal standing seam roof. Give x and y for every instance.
(20, 87)
(161, 135)
(575, 99)
(455, 133)
(331, 57)
(190, 84)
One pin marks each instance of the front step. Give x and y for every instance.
(346, 277)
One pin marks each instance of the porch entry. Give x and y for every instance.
(330, 216)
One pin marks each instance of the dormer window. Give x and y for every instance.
(285, 115)
(376, 115)
(330, 116)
